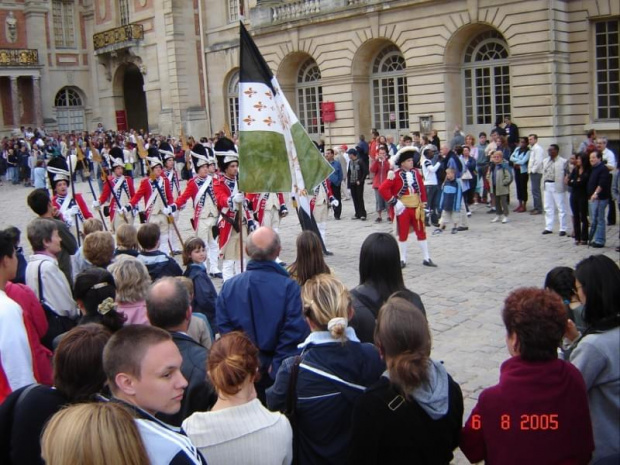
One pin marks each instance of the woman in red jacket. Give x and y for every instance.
(538, 413)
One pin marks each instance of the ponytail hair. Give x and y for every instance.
(327, 303)
(95, 288)
(232, 359)
(403, 336)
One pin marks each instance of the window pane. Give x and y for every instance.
(607, 64)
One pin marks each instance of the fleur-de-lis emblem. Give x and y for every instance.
(248, 120)
(259, 106)
(269, 121)
(250, 92)
(269, 94)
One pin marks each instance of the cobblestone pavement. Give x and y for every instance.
(463, 296)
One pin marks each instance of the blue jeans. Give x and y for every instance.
(597, 220)
(13, 174)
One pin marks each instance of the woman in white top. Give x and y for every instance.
(238, 429)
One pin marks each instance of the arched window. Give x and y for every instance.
(69, 110)
(233, 103)
(389, 90)
(309, 97)
(487, 79)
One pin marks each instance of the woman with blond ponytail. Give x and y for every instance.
(413, 414)
(332, 371)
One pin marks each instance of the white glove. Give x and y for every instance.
(334, 203)
(238, 197)
(69, 222)
(399, 208)
(167, 211)
(74, 210)
(96, 204)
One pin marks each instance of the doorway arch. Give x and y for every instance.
(129, 84)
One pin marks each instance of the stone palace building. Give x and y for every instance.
(395, 65)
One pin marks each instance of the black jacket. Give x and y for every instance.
(159, 264)
(388, 430)
(199, 395)
(600, 177)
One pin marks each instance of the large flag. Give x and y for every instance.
(275, 152)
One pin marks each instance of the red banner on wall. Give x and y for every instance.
(328, 112)
(121, 120)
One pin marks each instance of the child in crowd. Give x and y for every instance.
(199, 329)
(126, 240)
(500, 178)
(78, 261)
(157, 262)
(194, 256)
(39, 175)
(450, 202)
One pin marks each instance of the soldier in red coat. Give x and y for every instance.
(230, 202)
(158, 202)
(201, 190)
(167, 155)
(71, 209)
(117, 188)
(404, 191)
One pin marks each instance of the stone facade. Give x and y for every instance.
(398, 65)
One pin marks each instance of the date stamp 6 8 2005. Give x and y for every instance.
(526, 422)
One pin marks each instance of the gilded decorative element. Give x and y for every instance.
(118, 35)
(19, 57)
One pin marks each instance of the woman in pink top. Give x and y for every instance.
(132, 282)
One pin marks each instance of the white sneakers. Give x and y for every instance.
(495, 220)
(504, 219)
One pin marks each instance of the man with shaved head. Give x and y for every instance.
(265, 303)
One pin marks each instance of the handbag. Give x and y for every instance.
(291, 407)
(466, 176)
(57, 324)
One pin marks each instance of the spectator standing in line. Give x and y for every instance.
(379, 167)
(356, 175)
(555, 170)
(599, 192)
(578, 183)
(535, 171)
(520, 159)
(335, 180)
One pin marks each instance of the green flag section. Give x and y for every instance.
(276, 153)
(264, 162)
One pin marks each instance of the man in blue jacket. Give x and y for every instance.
(265, 303)
(335, 179)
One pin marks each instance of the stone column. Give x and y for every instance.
(36, 97)
(15, 101)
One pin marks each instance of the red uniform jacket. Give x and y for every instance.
(223, 188)
(328, 191)
(393, 189)
(259, 203)
(127, 188)
(146, 189)
(191, 191)
(78, 200)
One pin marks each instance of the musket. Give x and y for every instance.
(86, 172)
(77, 218)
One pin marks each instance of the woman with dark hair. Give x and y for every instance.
(380, 276)
(309, 261)
(78, 377)
(538, 413)
(578, 182)
(95, 293)
(561, 280)
(415, 410)
(595, 352)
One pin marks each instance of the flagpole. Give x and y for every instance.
(77, 218)
(240, 210)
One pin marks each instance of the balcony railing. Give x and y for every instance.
(118, 37)
(272, 11)
(19, 57)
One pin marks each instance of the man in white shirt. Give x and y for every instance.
(15, 353)
(535, 170)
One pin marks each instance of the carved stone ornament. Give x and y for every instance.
(10, 27)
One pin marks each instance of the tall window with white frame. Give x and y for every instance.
(486, 75)
(69, 110)
(233, 10)
(123, 6)
(309, 97)
(233, 103)
(607, 38)
(63, 16)
(389, 90)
